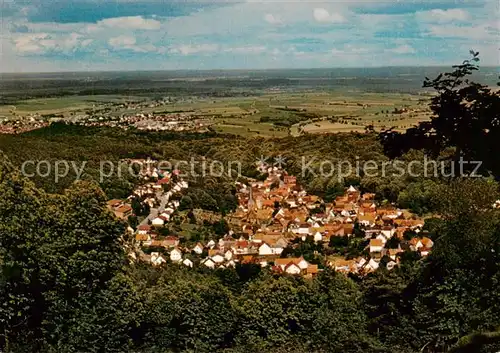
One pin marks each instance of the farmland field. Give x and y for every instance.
(272, 115)
(271, 103)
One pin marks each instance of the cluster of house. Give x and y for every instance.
(20, 125)
(120, 208)
(377, 250)
(169, 122)
(151, 122)
(277, 213)
(279, 206)
(158, 190)
(225, 253)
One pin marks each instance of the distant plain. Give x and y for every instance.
(266, 103)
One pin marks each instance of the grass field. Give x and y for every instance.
(327, 126)
(62, 105)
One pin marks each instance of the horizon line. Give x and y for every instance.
(241, 69)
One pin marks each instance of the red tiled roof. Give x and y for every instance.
(124, 209)
(376, 242)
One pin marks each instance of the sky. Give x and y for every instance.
(95, 35)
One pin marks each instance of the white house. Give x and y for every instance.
(158, 222)
(218, 259)
(175, 255)
(277, 249)
(388, 232)
(351, 189)
(382, 238)
(265, 249)
(376, 245)
(211, 244)
(372, 265)
(143, 229)
(303, 264)
(157, 259)
(317, 225)
(292, 269)
(187, 263)
(198, 248)
(209, 263)
(304, 229)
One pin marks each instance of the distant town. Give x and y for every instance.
(129, 115)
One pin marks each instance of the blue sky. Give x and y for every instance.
(89, 35)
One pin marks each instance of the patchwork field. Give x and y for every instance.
(272, 114)
(61, 105)
(281, 114)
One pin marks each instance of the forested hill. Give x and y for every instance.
(303, 157)
(76, 143)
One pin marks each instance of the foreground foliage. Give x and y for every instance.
(66, 286)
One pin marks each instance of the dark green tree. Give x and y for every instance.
(466, 117)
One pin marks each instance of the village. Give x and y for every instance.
(147, 122)
(24, 124)
(151, 122)
(274, 218)
(125, 115)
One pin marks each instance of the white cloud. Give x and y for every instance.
(274, 20)
(30, 43)
(349, 49)
(444, 15)
(403, 49)
(130, 22)
(323, 16)
(246, 50)
(87, 42)
(129, 43)
(47, 27)
(121, 41)
(276, 52)
(188, 49)
(40, 43)
(481, 32)
(233, 30)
